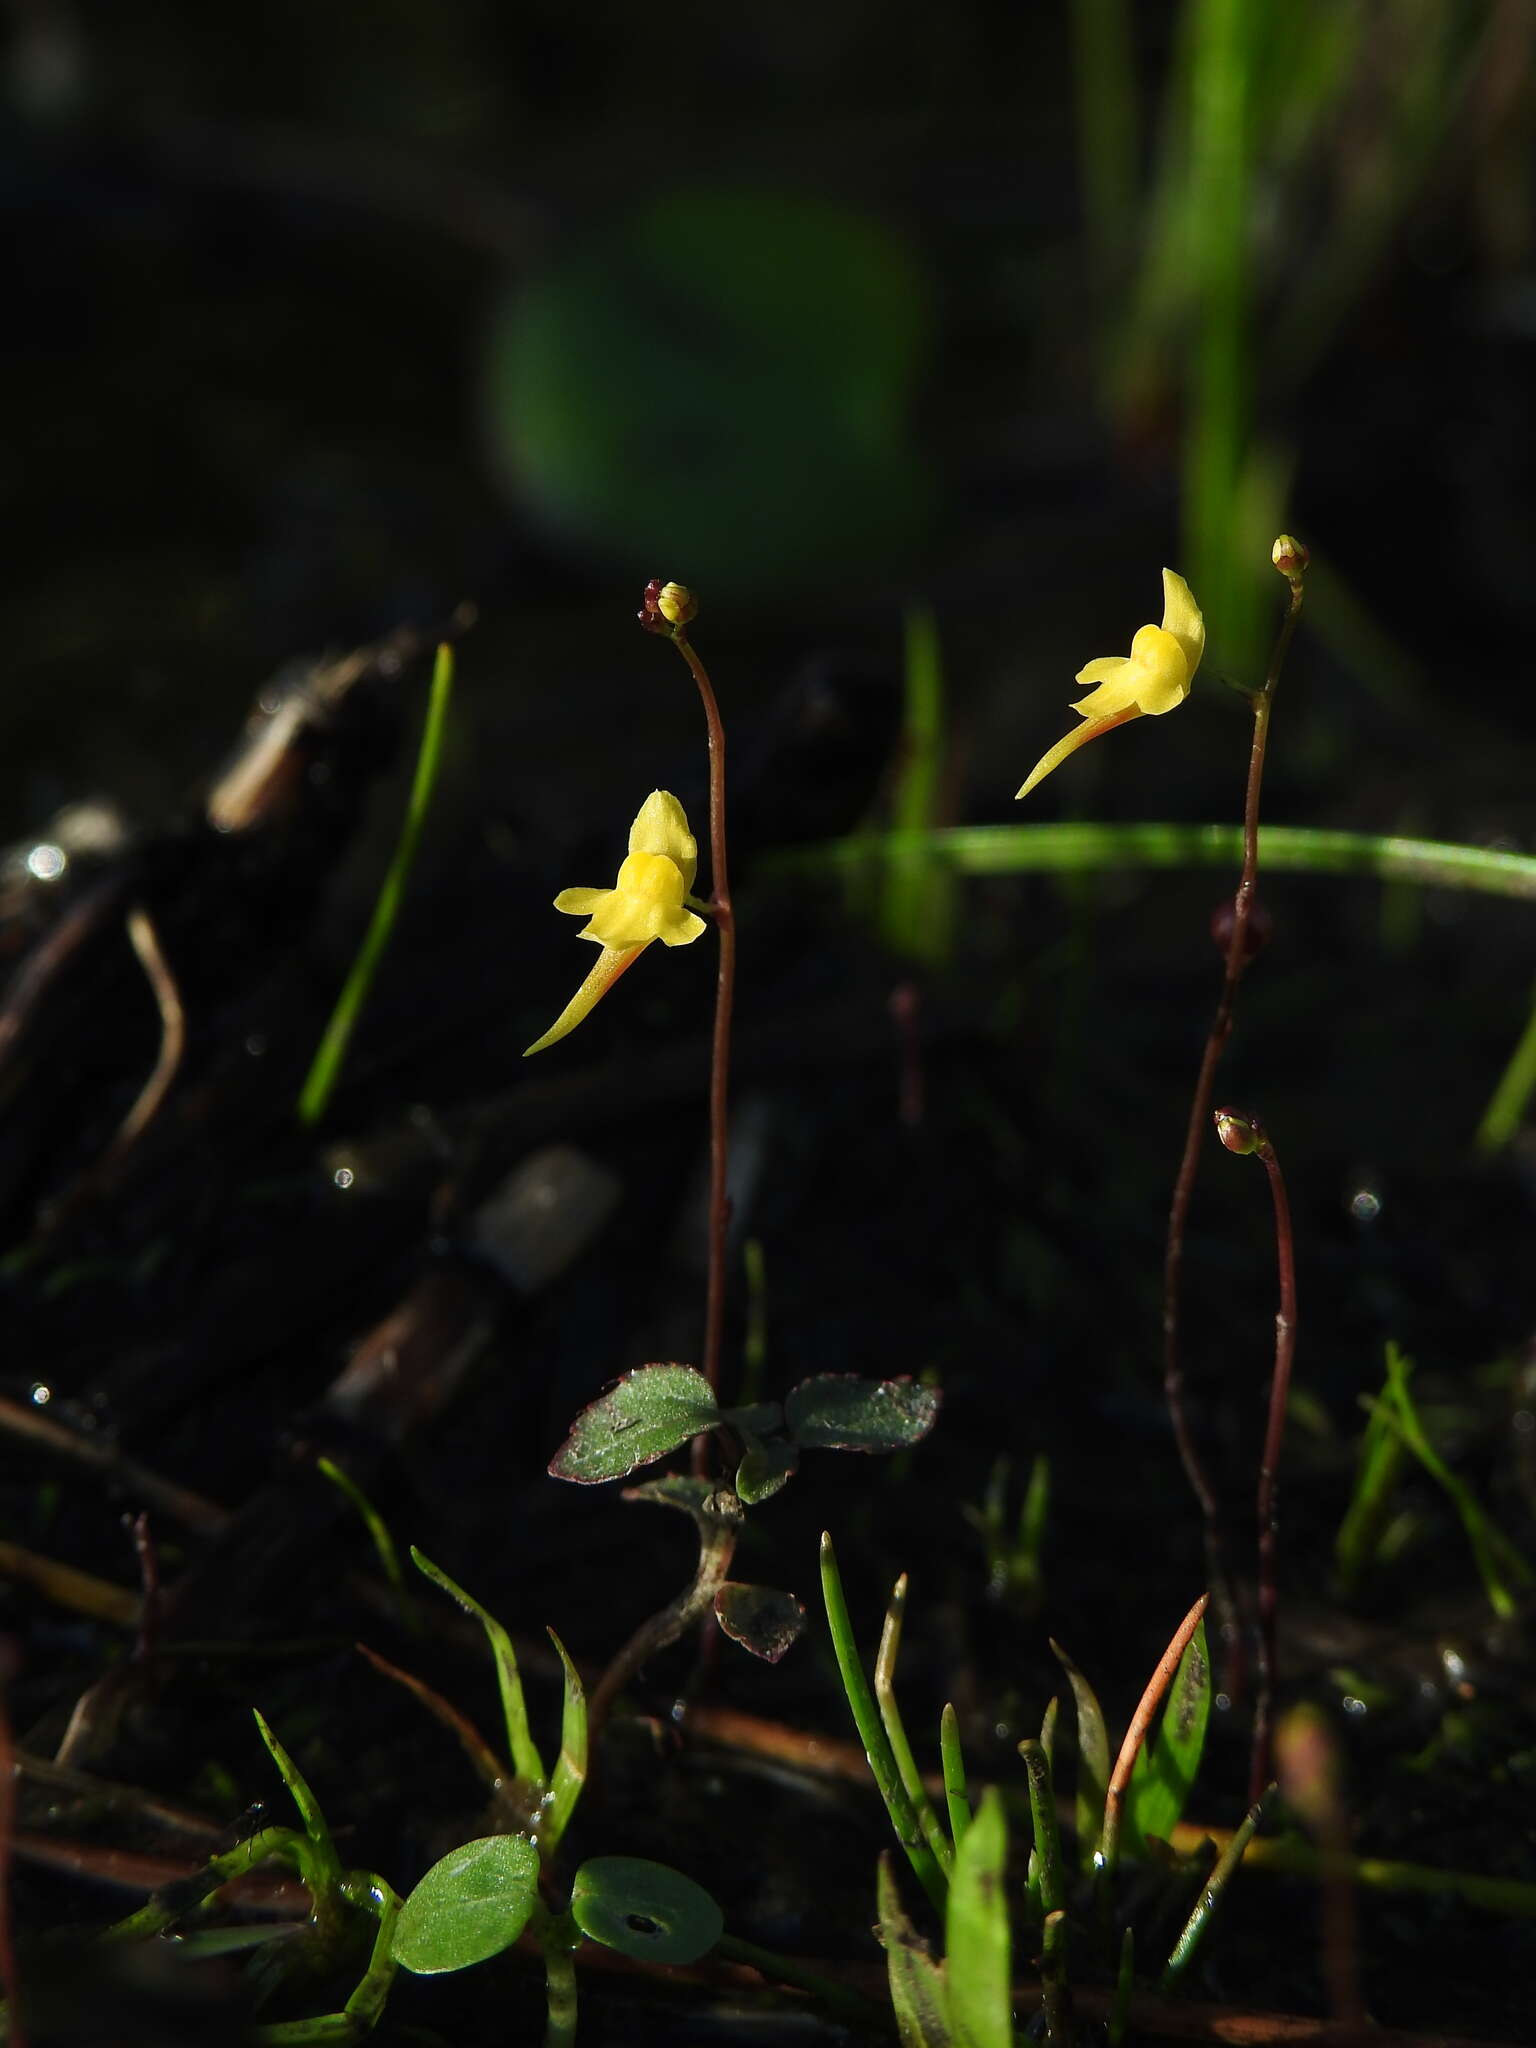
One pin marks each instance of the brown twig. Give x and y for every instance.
(1136, 1734)
(145, 941)
(192, 1510)
(1291, 561)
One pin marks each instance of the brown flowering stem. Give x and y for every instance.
(1291, 561)
(1241, 1133)
(720, 1054)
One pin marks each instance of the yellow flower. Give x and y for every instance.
(645, 903)
(1153, 678)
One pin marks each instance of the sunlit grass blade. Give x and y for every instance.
(952, 1764)
(977, 1939)
(571, 1764)
(1512, 1098)
(1092, 1762)
(319, 1864)
(1042, 1814)
(877, 1748)
(895, 1727)
(526, 1761)
(378, 1532)
(1036, 849)
(331, 1052)
(1210, 1898)
(1498, 1561)
(1383, 1454)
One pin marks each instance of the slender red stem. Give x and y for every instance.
(1260, 1765)
(720, 1053)
(1237, 957)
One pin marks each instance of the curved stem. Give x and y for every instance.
(1199, 1122)
(720, 1053)
(1269, 1471)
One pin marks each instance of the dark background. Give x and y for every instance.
(326, 319)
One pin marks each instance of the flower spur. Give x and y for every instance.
(1152, 679)
(647, 902)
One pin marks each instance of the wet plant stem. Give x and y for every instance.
(720, 1051)
(1237, 957)
(718, 1524)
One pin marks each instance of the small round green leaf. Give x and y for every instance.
(468, 1907)
(645, 1910)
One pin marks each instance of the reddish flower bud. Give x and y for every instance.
(1239, 1133)
(1289, 556)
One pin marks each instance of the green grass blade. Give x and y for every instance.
(571, 1764)
(866, 1719)
(1512, 1098)
(331, 1052)
(1092, 1763)
(952, 1764)
(978, 1942)
(526, 1761)
(378, 1532)
(919, 1999)
(1210, 1898)
(1035, 849)
(1496, 1558)
(895, 1727)
(1042, 1814)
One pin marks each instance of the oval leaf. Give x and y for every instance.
(1159, 1791)
(760, 1618)
(639, 1419)
(839, 1412)
(471, 1905)
(764, 1469)
(645, 1910)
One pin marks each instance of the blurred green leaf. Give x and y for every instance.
(720, 381)
(470, 1905)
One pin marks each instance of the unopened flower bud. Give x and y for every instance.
(676, 603)
(1257, 933)
(1289, 556)
(1237, 1132)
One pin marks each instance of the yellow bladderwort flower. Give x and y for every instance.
(1153, 678)
(645, 903)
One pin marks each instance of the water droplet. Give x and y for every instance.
(343, 1176)
(46, 862)
(1352, 1705)
(1223, 1703)
(1365, 1205)
(42, 1394)
(256, 1045)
